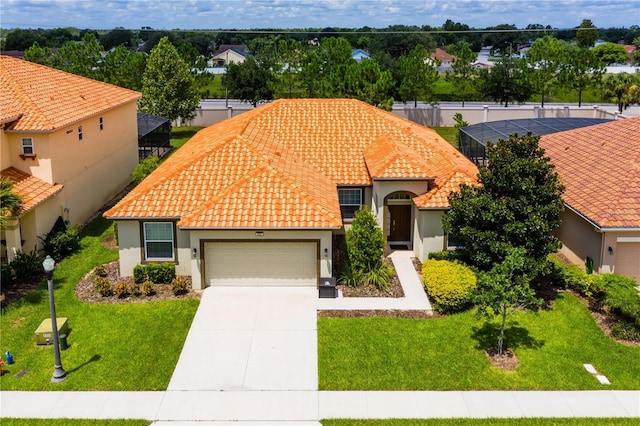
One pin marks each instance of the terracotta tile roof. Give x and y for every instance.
(600, 168)
(279, 165)
(46, 99)
(33, 190)
(442, 55)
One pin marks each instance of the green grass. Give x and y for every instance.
(450, 134)
(131, 346)
(73, 422)
(448, 353)
(483, 422)
(180, 135)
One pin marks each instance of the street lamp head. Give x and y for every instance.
(48, 264)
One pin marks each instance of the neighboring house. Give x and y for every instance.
(358, 55)
(68, 142)
(441, 57)
(154, 136)
(229, 54)
(257, 199)
(600, 168)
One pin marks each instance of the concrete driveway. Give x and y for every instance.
(251, 339)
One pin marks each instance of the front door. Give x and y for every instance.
(400, 227)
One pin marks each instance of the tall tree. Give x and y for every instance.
(504, 289)
(39, 55)
(124, 68)
(323, 72)
(168, 87)
(287, 63)
(516, 204)
(11, 203)
(418, 74)
(368, 83)
(507, 81)
(587, 34)
(581, 69)
(249, 81)
(80, 58)
(463, 74)
(545, 58)
(621, 89)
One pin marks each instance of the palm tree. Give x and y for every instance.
(619, 88)
(11, 203)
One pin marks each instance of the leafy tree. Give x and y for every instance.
(545, 58)
(417, 77)
(80, 58)
(323, 73)
(117, 37)
(11, 203)
(286, 65)
(516, 204)
(462, 73)
(622, 89)
(168, 87)
(124, 68)
(611, 53)
(581, 69)
(503, 38)
(38, 55)
(249, 81)
(507, 81)
(20, 39)
(587, 34)
(399, 40)
(368, 83)
(504, 289)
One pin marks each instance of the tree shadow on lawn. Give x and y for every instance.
(96, 227)
(514, 336)
(94, 358)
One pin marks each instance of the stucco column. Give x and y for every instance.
(12, 236)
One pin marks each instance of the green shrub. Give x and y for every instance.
(26, 266)
(121, 289)
(573, 277)
(621, 296)
(100, 271)
(365, 242)
(144, 168)
(179, 285)
(103, 286)
(626, 330)
(450, 285)
(350, 276)
(61, 244)
(379, 277)
(161, 273)
(139, 274)
(6, 274)
(148, 288)
(135, 288)
(450, 255)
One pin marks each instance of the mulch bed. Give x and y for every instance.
(377, 313)
(507, 360)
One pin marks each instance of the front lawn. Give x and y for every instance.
(482, 422)
(132, 346)
(448, 353)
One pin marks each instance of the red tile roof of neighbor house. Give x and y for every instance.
(36, 98)
(33, 190)
(278, 166)
(600, 168)
(442, 55)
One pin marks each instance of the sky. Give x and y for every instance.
(281, 14)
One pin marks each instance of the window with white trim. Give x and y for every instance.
(158, 241)
(27, 146)
(350, 201)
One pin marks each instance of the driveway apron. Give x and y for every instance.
(251, 339)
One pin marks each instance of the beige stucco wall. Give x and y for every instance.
(383, 188)
(610, 239)
(428, 225)
(579, 239)
(92, 170)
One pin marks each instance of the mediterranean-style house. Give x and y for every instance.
(258, 198)
(600, 168)
(67, 142)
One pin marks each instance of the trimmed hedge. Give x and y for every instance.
(450, 285)
(451, 255)
(575, 278)
(621, 296)
(157, 273)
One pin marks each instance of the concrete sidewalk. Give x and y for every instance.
(308, 407)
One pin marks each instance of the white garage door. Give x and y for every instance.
(628, 260)
(267, 263)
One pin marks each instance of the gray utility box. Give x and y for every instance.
(327, 288)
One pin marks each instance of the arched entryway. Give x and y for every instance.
(399, 209)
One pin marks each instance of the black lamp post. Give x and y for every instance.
(59, 375)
